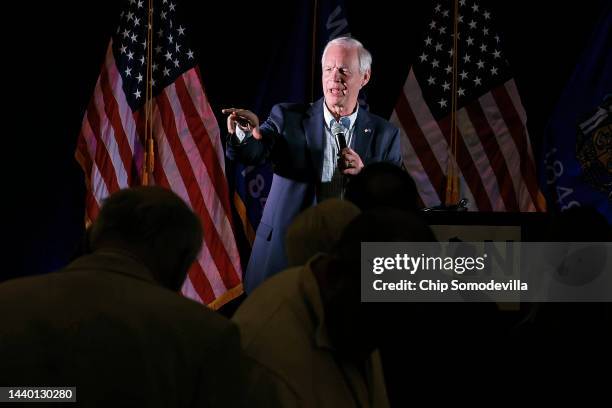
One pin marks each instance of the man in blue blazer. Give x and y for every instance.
(314, 149)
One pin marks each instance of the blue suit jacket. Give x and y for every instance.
(293, 142)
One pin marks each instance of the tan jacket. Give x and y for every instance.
(282, 330)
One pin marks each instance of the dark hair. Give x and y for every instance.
(382, 184)
(354, 327)
(383, 224)
(154, 224)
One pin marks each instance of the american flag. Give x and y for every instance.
(493, 152)
(188, 155)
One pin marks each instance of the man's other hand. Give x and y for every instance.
(350, 162)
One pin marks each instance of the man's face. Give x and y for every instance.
(342, 79)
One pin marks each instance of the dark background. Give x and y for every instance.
(52, 53)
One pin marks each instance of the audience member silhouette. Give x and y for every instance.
(317, 229)
(112, 323)
(311, 339)
(382, 184)
(314, 230)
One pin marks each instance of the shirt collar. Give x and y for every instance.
(329, 117)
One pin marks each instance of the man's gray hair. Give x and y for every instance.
(365, 58)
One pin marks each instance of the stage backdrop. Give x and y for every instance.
(55, 52)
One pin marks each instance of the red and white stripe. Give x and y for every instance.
(494, 157)
(189, 160)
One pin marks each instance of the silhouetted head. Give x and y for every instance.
(155, 226)
(317, 229)
(356, 328)
(382, 184)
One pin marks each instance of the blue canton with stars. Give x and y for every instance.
(481, 65)
(172, 54)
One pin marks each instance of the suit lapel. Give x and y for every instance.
(363, 134)
(313, 128)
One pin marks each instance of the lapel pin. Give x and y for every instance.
(368, 130)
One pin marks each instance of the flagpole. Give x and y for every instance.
(149, 154)
(452, 176)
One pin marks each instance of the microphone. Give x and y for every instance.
(338, 132)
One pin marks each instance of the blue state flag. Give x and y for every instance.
(579, 135)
